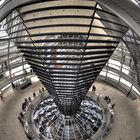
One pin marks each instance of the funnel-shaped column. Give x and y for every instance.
(67, 43)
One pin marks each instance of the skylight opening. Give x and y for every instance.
(135, 2)
(2, 1)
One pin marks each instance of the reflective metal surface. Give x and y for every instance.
(66, 43)
(55, 126)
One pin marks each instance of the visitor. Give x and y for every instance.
(1, 96)
(106, 98)
(21, 115)
(29, 99)
(113, 106)
(124, 58)
(21, 120)
(34, 95)
(130, 62)
(109, 100)
(23, 106)
(93, 88)
(26, 100)
(5, 65)
(43, 89)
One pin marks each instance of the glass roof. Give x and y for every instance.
(136, 2)
(2, 1)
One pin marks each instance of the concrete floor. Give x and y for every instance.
(127, 113)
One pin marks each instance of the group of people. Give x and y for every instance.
(41, 90)
(108, 100)
(21, 118)
(27, 102)
(24, 106)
